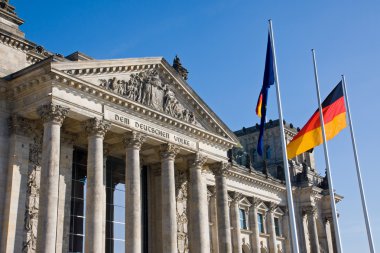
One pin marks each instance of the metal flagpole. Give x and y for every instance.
(364, 205)
(329, 177)
(293, 226)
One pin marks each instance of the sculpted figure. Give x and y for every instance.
(146, 91)
(169, 100)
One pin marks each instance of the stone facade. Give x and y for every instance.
(122, 155)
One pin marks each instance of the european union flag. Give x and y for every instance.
(261, 108)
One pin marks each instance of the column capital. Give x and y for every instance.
(272, 207)
(134, 140)
(169, 151)
(96, 126)
(197, 160)
(236, 197)
(309, 210)
(220, 168)
(53, 113)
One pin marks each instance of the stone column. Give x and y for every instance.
(198, 208)
(64, 202)
(272, 230)
(235, 222)
(312, 228)
(223, 216)
(52, 117)
(214, 222)
(15, 185)
(329, 233)
(286, 230)
(133, 236)
(94, 238)
(168, 200)
(255, 237)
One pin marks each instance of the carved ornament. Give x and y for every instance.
(236, 197)
(197, 160)
(134, 140)
(96, 126)
(220, 168)
(169, 151)
(53, 113)
(148, 88)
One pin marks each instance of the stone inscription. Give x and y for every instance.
(149, 128)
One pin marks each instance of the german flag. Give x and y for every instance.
(310, 136)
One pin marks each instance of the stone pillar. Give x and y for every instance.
(64, 201)
(272, 230)
(214, 222)
(133, 235)
(255, 237)
(15, 186)
(329, 229)
(94, 238)
(105, 155)
(52, 116)
(168, 198)
(235, 222)
(198, 209)
(312, 228)
(223, 216)
(286, 230)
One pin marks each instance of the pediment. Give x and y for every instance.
(153, 83)
(245, 202)
(263, 207)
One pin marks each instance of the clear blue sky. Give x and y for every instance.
(222, 43)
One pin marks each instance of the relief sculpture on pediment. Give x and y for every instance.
(148, 88)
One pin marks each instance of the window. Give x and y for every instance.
(277, 226)
(243, 220)
(260, 222)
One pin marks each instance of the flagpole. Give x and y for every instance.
(293, 226)
(329, 177)
(362, 195)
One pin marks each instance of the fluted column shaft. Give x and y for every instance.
(199, 222)
(255, 238)
(329, 231)
(286, 230)
(272, 232)
(236, 234)
(133, 142)
(169, 219)
(224, 229)
(95, 198)
(314, 240)
(52, 116)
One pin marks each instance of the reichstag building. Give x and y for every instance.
(123, 156)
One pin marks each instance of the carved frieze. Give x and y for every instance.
(32, 200)
(181, 179)
(148, 88)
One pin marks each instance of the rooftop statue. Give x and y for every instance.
(177, 65)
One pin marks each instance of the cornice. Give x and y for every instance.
(15, 42)
(253, 179)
